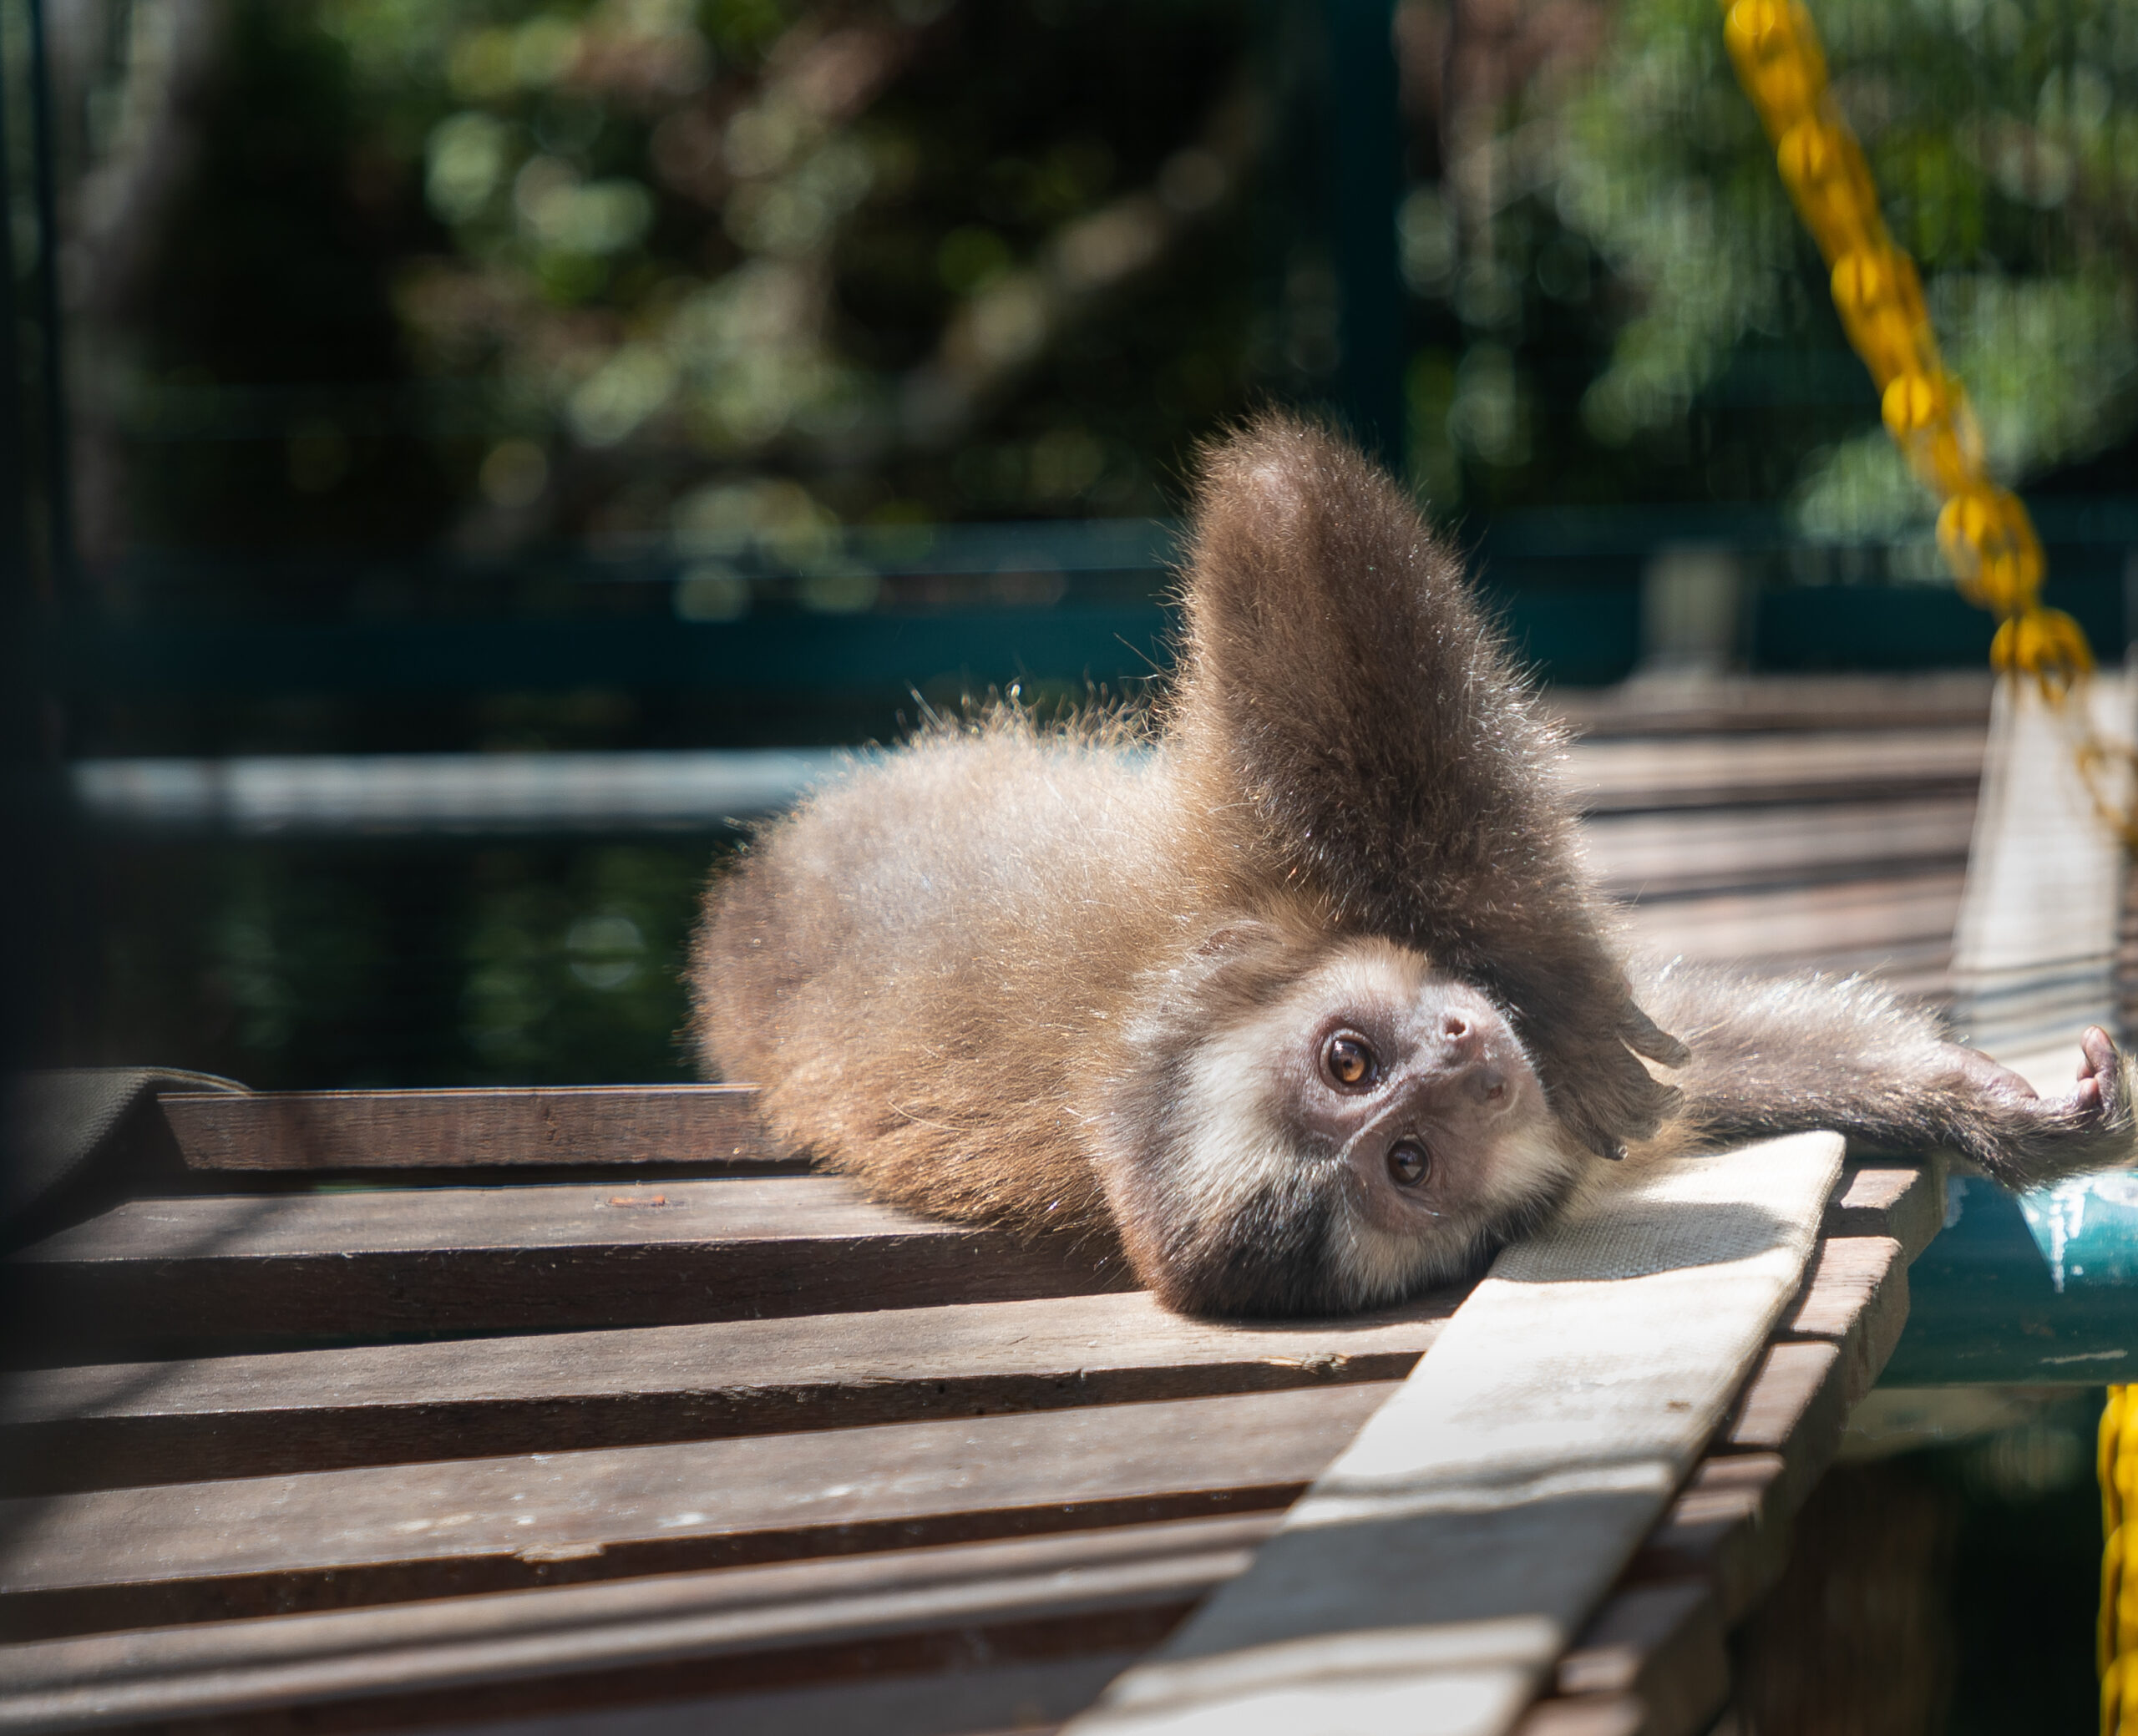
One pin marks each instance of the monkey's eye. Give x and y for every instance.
(1347, 1061)
(1409, 1163)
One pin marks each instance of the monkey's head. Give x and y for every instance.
(1302, 1126)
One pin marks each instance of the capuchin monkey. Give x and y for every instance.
(1299, 989)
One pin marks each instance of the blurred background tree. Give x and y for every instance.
(726, 272)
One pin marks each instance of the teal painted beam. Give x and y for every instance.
(2036, 1290)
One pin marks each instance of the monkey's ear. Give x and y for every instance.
(1644, 1036)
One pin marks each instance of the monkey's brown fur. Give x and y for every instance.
(990, 974)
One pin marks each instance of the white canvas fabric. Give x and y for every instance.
(2034, 951)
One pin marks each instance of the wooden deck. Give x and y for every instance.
(918, 1450)
(584, 1410)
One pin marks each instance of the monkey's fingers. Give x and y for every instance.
(2100, 1097)
(1625, 1102)
(1644, 1036)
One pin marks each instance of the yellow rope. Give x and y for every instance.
(1983, 531)
(2116, 1649)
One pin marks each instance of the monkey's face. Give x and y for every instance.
(1356, 1130)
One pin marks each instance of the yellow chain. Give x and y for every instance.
(1983, 531)
(2116, 1650)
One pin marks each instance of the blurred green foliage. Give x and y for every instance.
(2005, 140)
(626, 269)
(741, 272)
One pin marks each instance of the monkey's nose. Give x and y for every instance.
(1459, 1037)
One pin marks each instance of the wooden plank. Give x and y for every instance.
(205, 1551)
(1765, 703)
(1639, 855)
(1793, 1407)
(1728, 1526)
(1660, 1646)
(110, 1424)
(1589, 1714)
(446, 1259)
(1856, 1298)
(967, 1696)
(750, 1627)
(1890, 916)
(1743, 770)
(1903, 1199)
(705, 1126)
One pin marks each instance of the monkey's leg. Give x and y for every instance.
(1779, 1055)
(1350, 727)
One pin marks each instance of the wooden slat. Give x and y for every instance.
(1899, 917)
(1794, 1407)
(706, 1126)
(205, 1551)
(1597, 1714)
(1724, 770)
(1855, 1299)
(1705, 704)
(1728, 1526)
(1660, 1646)
(651, 1637)
(1432, 1578)
(967, 1695)
(105, 1425)
(1903, 1199)
(1725, 1541)
(439, 1260)
(1639, 855)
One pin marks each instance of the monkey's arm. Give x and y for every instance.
(1351, 726)
(1777, 1055)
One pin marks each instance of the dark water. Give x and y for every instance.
(1947, 1590)
(394, 962)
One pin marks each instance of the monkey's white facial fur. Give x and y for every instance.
(1337, 1136)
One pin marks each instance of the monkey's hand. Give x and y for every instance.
(2024, 1138)
(1603, 1094)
